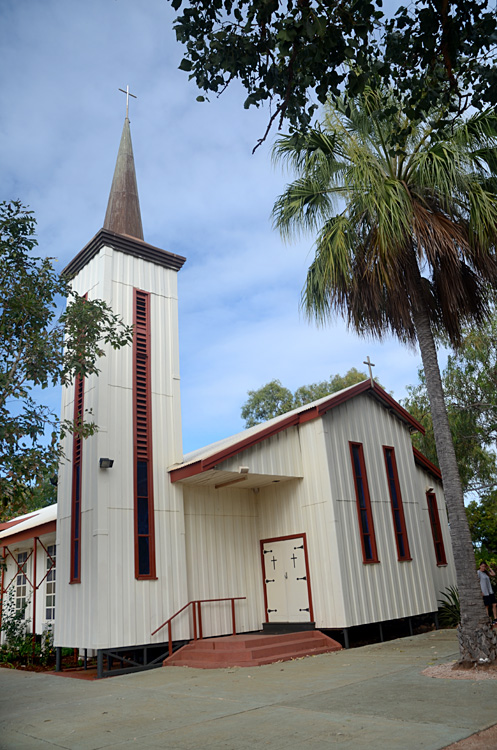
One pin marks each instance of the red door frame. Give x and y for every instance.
(302, 536)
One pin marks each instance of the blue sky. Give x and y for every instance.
(202, 193)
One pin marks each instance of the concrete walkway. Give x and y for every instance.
(373, 697)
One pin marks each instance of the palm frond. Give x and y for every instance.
(417, 195)
(483, 215)
(304, 205)
(330, 268)
(449, 608)
(478, 129)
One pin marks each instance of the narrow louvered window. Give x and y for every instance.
(366, 528)
(399, 523)
(77, 458)
(143, 479)
(436, 529)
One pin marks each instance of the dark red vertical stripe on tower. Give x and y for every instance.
(77, 459)
(142, 425)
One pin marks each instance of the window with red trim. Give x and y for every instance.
(436, 529)
(77, 458)
(50, 578)
(399, 523)
(366, 527)
(142, 419)
(21, 584)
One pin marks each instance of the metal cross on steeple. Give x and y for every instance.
(127, 99)
(370, 366)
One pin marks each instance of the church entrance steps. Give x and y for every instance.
(287, 627)
(251, 650)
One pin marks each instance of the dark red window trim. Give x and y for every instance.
(77, 461)
(399, 521)
(144, 528)
(364, 513)
(436, 528)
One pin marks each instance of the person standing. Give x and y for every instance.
(487, 590)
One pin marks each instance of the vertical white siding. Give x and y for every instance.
(322, 504)
(389, 589)
(207, 540)
(443, 575)
(109, 608)
(304, 506)
(223, 557)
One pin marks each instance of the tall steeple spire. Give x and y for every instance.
(123, 210)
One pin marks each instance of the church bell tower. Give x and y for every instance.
(120, 524)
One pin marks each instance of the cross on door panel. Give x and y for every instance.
(285, 579)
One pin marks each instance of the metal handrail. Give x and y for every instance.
(197, 618)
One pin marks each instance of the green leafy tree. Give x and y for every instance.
(471, 379)
(476, 459)
(470, 386)
(40, 348)
(405, 245)
(482, 518)
(296, 54)
(266, 402)
(25, 498)
(273, 399)
(307, 393)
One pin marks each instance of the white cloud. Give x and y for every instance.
(202, 195)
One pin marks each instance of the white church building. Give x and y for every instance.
(324, 515)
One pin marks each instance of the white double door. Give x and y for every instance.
(286, 580)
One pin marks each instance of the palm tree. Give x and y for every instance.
(405, 215)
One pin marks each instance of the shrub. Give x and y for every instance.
(449, 610)
(18, 644)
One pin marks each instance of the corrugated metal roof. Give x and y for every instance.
(206, 458)
(426, 464)
(31, 521)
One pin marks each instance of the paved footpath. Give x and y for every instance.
(373, 697)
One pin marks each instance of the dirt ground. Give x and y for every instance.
(486, 740)
(451, 671)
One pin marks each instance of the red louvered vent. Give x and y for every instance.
(77, 458)
(141, 396)
(79, 392)
(142, 418)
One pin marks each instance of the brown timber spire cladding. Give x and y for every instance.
(123, 210)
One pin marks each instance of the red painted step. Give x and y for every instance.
(251, 650)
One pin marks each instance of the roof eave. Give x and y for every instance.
(123, 244)
(426, 464)
(306, 414)
(35, 531)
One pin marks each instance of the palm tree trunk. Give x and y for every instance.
(477, 639)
